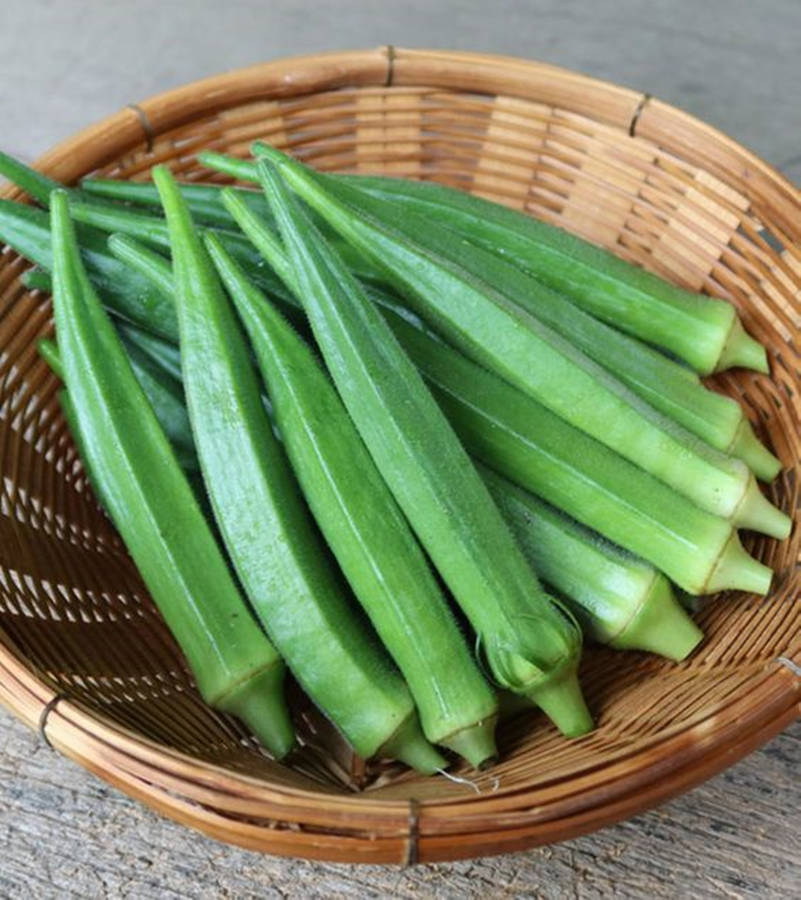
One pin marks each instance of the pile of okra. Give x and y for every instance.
(411, 445)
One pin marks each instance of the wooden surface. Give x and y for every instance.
(64, 833)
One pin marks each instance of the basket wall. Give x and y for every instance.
(625, 171)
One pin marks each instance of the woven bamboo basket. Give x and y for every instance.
(85, 657)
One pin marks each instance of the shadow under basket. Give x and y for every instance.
(85, 656)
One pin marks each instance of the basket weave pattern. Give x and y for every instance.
(80, 639)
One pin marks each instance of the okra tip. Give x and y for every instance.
(660, 625)
(476, 743)
(736, 570)
(37, 279)
(408, 745)
(49, 353)
(757, 513)
(560, 698)
(741, 349)
(259, 702)
(263, 150)
(747, 447)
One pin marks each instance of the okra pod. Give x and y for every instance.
(497, 333)
(27, 230)
(365, 528)
(669, 387)
(203, 200)
(161, 387)
(522, 440)
(450, 373)
(618, 599)
(703, 331)
(529, 645)
(36, 184)
(149, 499)
(266, 528)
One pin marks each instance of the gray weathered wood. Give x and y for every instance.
(64, 833)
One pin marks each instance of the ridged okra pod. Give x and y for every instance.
(267, 530)
(619, 599)
(529, 644)
(365, 528)
(497, 333)
(529, 445)
(703, 331)
(149, 500)
(669, 387)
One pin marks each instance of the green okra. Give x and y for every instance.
(480, 402)
(166, 395)
(149, 499)
(37, 279)
(164, 354)
(36, 184)
(128, 295)
(162, 389)
(49, 353)
(383, 568)
(365, 528)
(153, 230)
(522, 440)
(203, 200)
(669, 387)
(618, 598)
(497, 333)
(703, 331)
(267, 530)
(529, 644)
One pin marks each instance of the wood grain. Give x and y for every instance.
(65, 833)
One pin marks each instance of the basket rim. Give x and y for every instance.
(707, 746)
